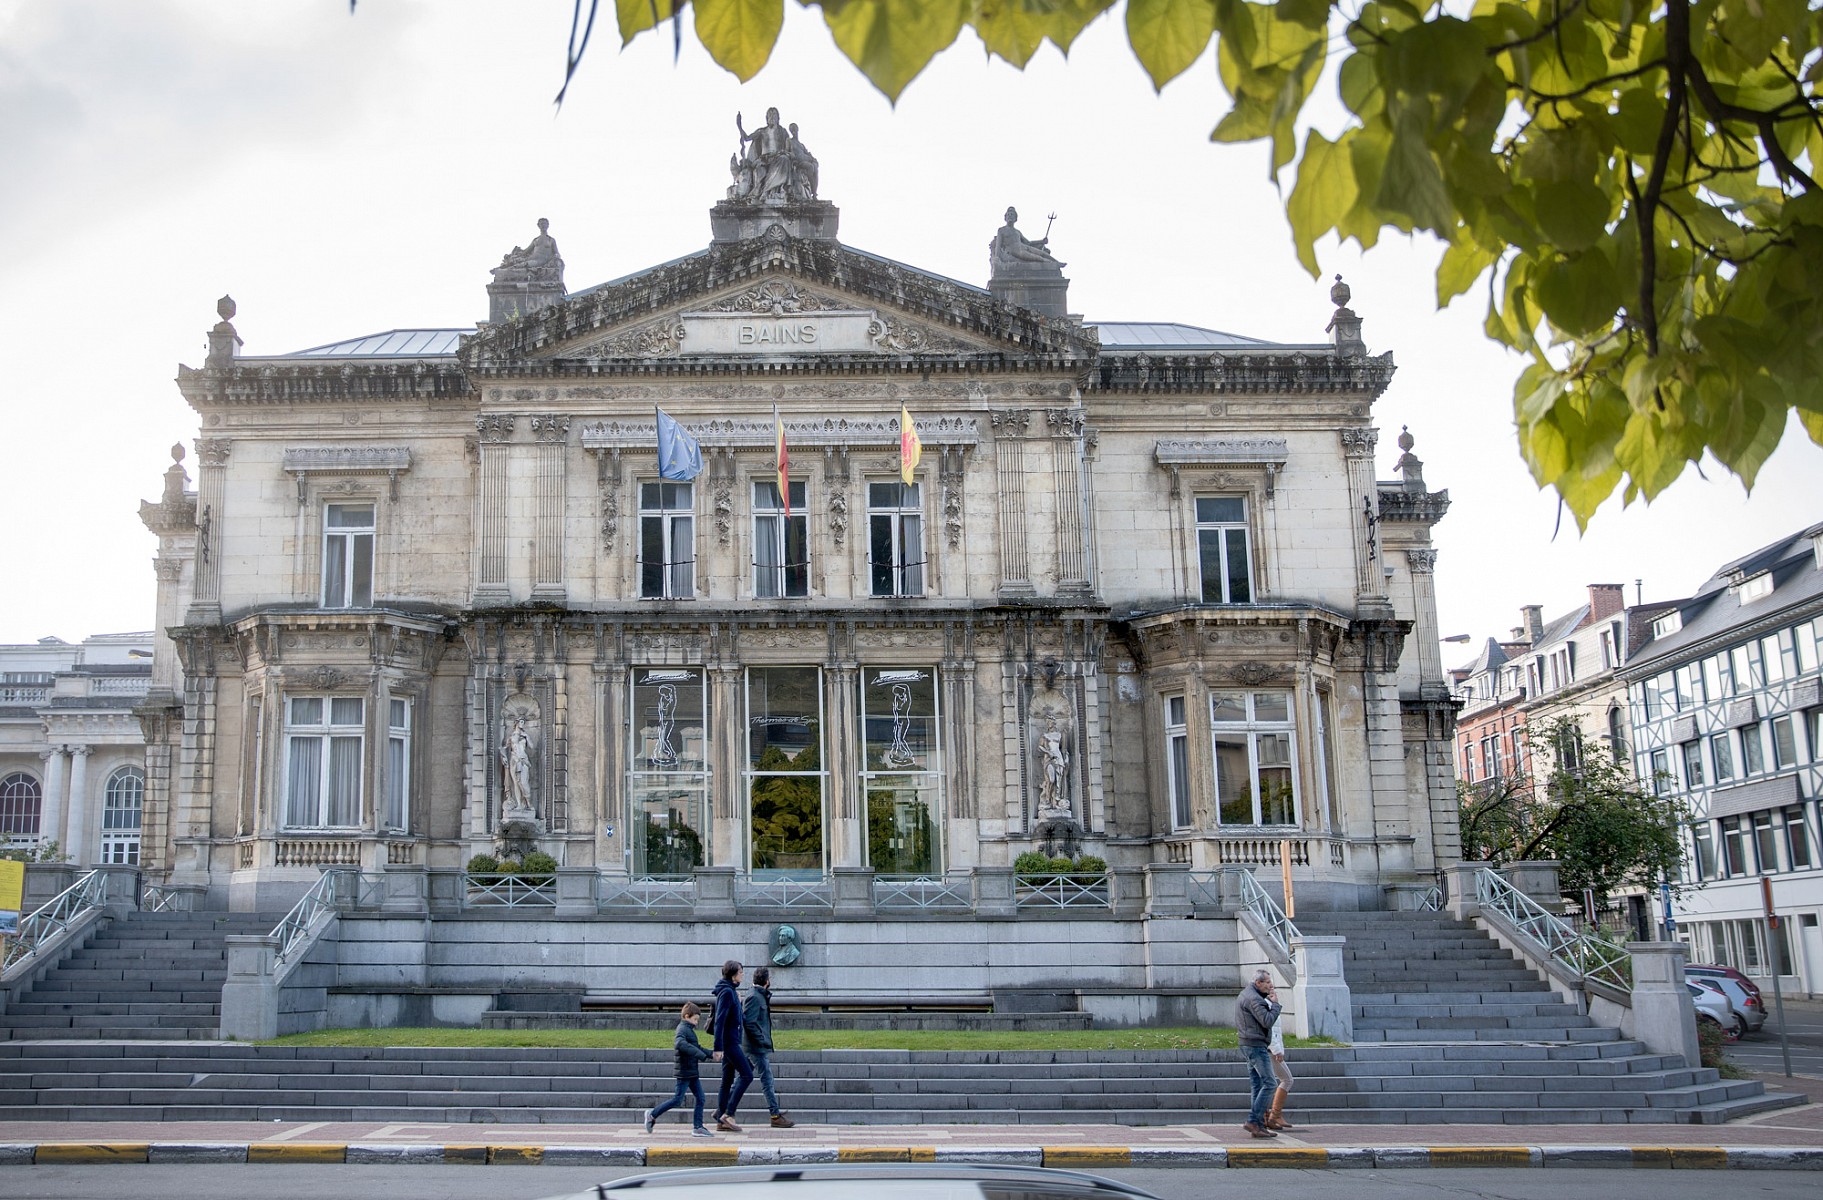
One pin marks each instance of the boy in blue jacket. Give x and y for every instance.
(690, 1054)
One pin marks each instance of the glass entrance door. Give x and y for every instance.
(786, 783)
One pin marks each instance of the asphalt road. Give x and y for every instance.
(1759, 1052)
(531, 1183)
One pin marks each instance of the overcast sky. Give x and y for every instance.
(342, 175)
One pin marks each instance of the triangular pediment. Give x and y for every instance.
(775, 297)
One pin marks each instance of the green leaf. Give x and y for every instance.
(1411, 183)
(1463, 263)
(1322, 196)
(1068, 18)
(1169, 35)
(892, 40)
(1010, 29)
(739, 34)
(1573, 215)
(1580, 294)
(637, 16)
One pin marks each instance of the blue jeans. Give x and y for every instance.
(762, 1066)
(733, 1063)
(1259, 1074)
(677, 1098)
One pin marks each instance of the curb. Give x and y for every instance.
(1702, 1158)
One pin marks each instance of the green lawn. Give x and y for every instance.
(1217, 1038)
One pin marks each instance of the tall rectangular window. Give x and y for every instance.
(895, 539)
(348, 555)
(1765, 842)
(785, 775)
(667, 772)
(781, 544)
(1177, 762)
(901, 763)
(1702, 845)
(1735, 848)
(1221, 548)
(323, 746)
(398, 764)
(1744, 662)
(1753, 751)
(1774, 658)
(1797, 840)
(1784, 743)
(1693, 764)
(1255, 758)
(1722, 752)
(667, 541)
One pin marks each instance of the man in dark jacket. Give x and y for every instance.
(728, 1027)
(1254, 1014)
(758, 1042)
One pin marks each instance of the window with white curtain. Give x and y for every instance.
(781, 544)
(398, 764)
(348, 531)
(1177, 761)
(323, 749)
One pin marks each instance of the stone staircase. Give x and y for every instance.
(1427, 977)
(144, 975)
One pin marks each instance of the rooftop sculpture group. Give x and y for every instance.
(772, 165)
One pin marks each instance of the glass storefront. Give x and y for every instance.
(668, 776)
(901, 762)
(785, 777)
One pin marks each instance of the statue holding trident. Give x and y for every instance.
(764, 171)
(1011, 249)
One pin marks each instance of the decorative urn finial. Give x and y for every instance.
(1339, 293)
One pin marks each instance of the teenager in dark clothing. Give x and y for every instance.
(690, 1054)
(758, 1043)
(727, 1026)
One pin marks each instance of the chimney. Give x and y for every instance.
(1534, 622)
(1606, 599)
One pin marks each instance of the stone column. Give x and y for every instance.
(1663, 1016)
(853, 889)
(1459, 882)
(1364, 500)
(727, 746)
(552, 434)
(847, 805)
(1066, 481)
(206, 602)
(1320, 998)
(50, 815)
(1009, 461)
(495, 432)
(77, 843)
(1537, 880)
(250, 996)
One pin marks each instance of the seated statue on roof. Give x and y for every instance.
(1011, 252)
(537, 262)
(772, 166)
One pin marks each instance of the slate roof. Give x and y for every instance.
(1715, 608)
(1168, 336)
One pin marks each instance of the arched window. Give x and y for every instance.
(21, 806)
(1617, 732)
(121, 817)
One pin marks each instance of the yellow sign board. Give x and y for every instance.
(12, 894)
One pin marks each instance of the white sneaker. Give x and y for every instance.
(650, 1120)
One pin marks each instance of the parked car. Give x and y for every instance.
(1710, 970)
(880, 1181)
(1749, 1009)
(1712, 1006)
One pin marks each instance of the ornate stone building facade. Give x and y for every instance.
(1141, 597)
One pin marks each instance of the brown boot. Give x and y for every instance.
(781, 1121)
(1275, 1118)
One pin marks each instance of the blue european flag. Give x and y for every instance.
(679, 457)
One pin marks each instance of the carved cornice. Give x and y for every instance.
(332, 381)
(832, 432)
(1199, 451)
(1358, 442)
(1419, 508)
(495, 427)
(347, 460)
(550, 428)
(1220, 371)
(1422, 562)
(213, 452)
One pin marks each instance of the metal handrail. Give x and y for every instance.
(924, 893)
(1580, 953)
(783, 893)
(1431, 899)
(293, 931)
(60, 913)
(647, 892)
(157, 899)
(509, 889)
(1207, 886)
(1062, 891)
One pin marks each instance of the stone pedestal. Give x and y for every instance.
(1537, 880)
(1459, 882)
(1040, 287)
(576, 892)
(739, 221)
(1320, 997)
(520, 298)
(1167, 890)
(714, 894)
(1663, 1016)
(853, 889)
(405, 890)
(994, 895)
(250, 996)
(1405, 897)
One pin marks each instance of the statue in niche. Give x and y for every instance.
(537, 262)
(517, 754)
(772, 166)
(1013, 252)
(1054, 762)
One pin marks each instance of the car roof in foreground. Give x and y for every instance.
(883, 1181)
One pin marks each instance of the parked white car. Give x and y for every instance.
(1712, 1005)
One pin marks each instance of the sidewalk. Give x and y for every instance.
(1790, 1138)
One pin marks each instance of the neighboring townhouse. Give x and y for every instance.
(1725, 707)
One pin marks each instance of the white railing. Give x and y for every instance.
(924, 893)
(1237, 886)
(648, 892)
(120, 685)
(1061, 891)
(64, 910)
(783, 893)
(24, 695)
(509, 890)
(316, 852)
(1432, 898)
(293, 932)
(153, 898)
(1580, 953)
